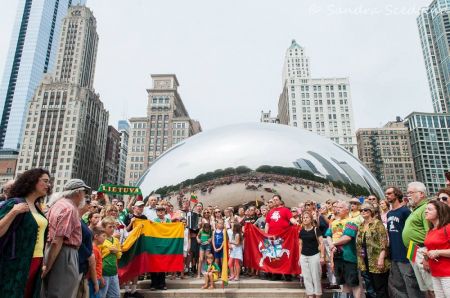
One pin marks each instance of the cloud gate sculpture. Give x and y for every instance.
(245, 163)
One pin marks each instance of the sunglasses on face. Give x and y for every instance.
(443, 199)
(366, 210)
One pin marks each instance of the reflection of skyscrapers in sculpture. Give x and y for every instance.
(321, 105)
(32, 52)
(307, 165)
(333, 172)
(167, 123)
(351, 173)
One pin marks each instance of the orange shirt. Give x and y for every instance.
(98, 261)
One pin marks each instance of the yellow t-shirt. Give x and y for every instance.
(42, 225)
(337, 228)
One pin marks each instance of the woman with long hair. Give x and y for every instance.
(371, 251)
(384, 209)
(216, 217)
(312, 255)
(23, 229)
(437, 243)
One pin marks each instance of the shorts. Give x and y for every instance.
(205, 247)
(346, 273)
(218, 254)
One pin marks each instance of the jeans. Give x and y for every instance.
(376, 284)
(92, 290)
(112, 288)
(402, 281)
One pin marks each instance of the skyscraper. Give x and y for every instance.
(386, 152)
(434, 30)
(320, 105)
(66, 127)
(167, 123)
(112, 156)
(124, 130)
(32, 53)
(430, 134)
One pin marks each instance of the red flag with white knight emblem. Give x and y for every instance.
(278, 253)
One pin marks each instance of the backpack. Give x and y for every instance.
(10, 236)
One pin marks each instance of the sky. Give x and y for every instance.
(228, 55)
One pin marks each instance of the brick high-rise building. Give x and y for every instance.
(386, 151)
(166, 124)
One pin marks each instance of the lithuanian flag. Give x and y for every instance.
(412, 251)
(194, 198)
(152, 247)
(224, 276)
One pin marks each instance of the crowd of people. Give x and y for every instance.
(69, 246)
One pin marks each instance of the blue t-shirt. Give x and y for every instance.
(395, 223)
(85, 250)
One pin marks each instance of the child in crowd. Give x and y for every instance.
(186, 246)
(236, 255)
(204, 239)
(97, 282)
(218, 242)
(111, 252)
(212, 272)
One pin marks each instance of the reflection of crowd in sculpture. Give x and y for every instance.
(257, 181)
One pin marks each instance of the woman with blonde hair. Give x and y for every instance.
(384, 209)
(312, 255)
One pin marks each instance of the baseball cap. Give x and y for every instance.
(139, 203)
(73, 184)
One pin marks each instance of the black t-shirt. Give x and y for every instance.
(142, 216)
(310, 246)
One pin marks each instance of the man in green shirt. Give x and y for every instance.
(415, 230)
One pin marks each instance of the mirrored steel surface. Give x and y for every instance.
(239, 163)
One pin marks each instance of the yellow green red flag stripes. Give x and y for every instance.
(152, 247)
(412, 251)
(224, 276)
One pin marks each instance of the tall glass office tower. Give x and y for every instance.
(32, 52)
(434, 30)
